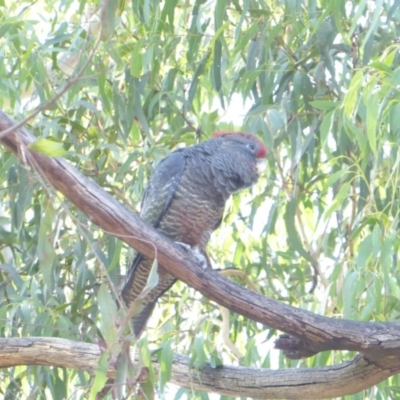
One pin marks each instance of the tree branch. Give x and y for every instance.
(303, 383)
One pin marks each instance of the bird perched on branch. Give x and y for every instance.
(185, 200)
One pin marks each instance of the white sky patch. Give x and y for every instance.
(235, 112)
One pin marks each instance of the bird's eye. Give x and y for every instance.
(251, 146)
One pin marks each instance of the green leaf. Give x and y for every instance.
(108, 18)
(372, 121)
(376, 241)
(195, 81)
(215, 360)
(339, 199)
(220, 12)
(333, 178)
(108, 312)
(137, 60)
(165, 357)
(239, 250)
(294, 241)
(45, 251)
(48, 147)
(153, 278)
(198, 358)
(275, 120)
(114, 250)
(324, 105)
(326, 128)
(350, 99)
(216, 71)
(364, 252)
(387, 255)
(100, 378)
(375, 21)
(349, 294)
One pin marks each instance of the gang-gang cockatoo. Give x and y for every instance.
(185, 200)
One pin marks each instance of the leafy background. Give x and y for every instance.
(318, 81)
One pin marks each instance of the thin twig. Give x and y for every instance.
(49, 103)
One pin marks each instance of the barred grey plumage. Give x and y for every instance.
(185, 200)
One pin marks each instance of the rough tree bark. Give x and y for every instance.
(378, 343)
(301, 383)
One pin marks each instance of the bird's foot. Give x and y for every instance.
(197, 253)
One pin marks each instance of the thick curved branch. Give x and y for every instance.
(303, 383)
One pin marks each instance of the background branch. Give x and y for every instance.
(302, 383)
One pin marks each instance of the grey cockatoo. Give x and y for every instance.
(185, 200)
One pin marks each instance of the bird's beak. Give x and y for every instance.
(261, 164)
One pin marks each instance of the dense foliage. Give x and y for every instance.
(318, 81)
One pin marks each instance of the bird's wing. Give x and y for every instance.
(156, 200)
(160, 192)
(162, 187)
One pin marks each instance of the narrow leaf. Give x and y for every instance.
(48, 147)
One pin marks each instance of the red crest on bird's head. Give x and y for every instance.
(262, 152)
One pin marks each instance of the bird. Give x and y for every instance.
(185, 200)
